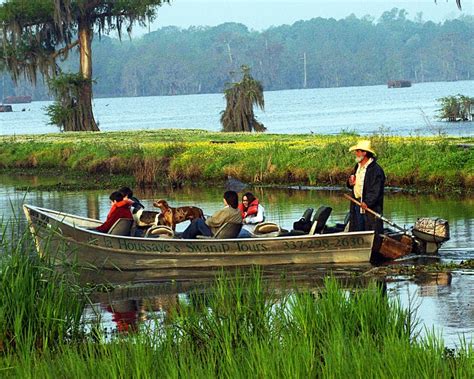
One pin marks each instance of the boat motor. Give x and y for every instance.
(431, 233)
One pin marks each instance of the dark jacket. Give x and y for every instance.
(136, 205)
(374, 186)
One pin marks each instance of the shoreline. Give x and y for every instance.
(172, 157)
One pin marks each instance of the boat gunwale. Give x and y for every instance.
(56, 215)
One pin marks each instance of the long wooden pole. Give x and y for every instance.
(378, 215)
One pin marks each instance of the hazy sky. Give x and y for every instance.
(260, 14)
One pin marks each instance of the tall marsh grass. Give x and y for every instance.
(241, 327)
(164, 156)
(39, 308)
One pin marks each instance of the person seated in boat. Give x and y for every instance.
(120, 209)
(253, 213)
(367, 183)
(207, 228)
(135, 204)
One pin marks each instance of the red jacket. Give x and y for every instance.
(119, 210)
(252, 209)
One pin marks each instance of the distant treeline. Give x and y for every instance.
(348, 52)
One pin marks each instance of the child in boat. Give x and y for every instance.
(253, 213)
(229, 214)
(120, 209)
(135, 204)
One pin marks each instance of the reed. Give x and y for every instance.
(244, 327)
(39, 308)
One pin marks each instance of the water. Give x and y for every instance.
(364, 110)
(443, 305)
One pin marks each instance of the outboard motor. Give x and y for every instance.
(431, 233)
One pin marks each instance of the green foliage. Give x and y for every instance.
(39, 308)
(348, 52)
(241, 97)
(243, 327)
(169, 156)
(36, 34)
(456, 108)
(68, 111)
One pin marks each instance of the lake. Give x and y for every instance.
(365, 110)
(445, 305)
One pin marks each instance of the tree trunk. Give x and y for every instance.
(86, 116)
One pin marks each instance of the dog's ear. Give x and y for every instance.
(160, 203)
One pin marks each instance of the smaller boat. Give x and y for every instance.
(6, 108)
(398, 84)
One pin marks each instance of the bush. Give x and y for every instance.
(456, 108)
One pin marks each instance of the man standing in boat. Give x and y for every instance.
(367, 183)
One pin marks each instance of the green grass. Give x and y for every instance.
(241, 327)
(39, 308)
(434, 164)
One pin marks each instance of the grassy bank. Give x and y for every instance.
(174, 156)
(241, 327)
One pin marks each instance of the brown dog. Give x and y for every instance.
(171, 216)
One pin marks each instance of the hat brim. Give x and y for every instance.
(357, 147)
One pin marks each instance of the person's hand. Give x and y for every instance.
(364, 206)
(352, 180)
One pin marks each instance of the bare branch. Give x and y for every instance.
(65, 50)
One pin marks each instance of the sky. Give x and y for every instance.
(261, 14)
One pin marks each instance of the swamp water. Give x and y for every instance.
(404, 111)
(444, 302)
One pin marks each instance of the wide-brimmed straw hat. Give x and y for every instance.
(364, 145)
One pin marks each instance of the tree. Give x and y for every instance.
(38, 33)
(346, 52)
(456, 108)
(241, 97)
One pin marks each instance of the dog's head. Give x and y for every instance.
(162, 204)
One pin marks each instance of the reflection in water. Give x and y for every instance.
(93, 205)
(445, 308)
(126, 314)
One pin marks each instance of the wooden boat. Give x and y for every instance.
(67, 239)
